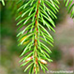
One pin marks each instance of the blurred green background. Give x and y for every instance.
(62, 52)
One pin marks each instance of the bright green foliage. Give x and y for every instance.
(34, 15)
(3, 2)
(70, 7)
(35, 21)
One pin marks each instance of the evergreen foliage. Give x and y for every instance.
(34, 15)
(70, 7)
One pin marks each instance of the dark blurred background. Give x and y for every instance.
(62, 52)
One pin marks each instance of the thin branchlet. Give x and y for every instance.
(36, 36)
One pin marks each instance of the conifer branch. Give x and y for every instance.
(36, 14)
(36, 38)
(70, 7)
(34, 26)
(37, 17)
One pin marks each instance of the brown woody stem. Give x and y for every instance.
(36, 36)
